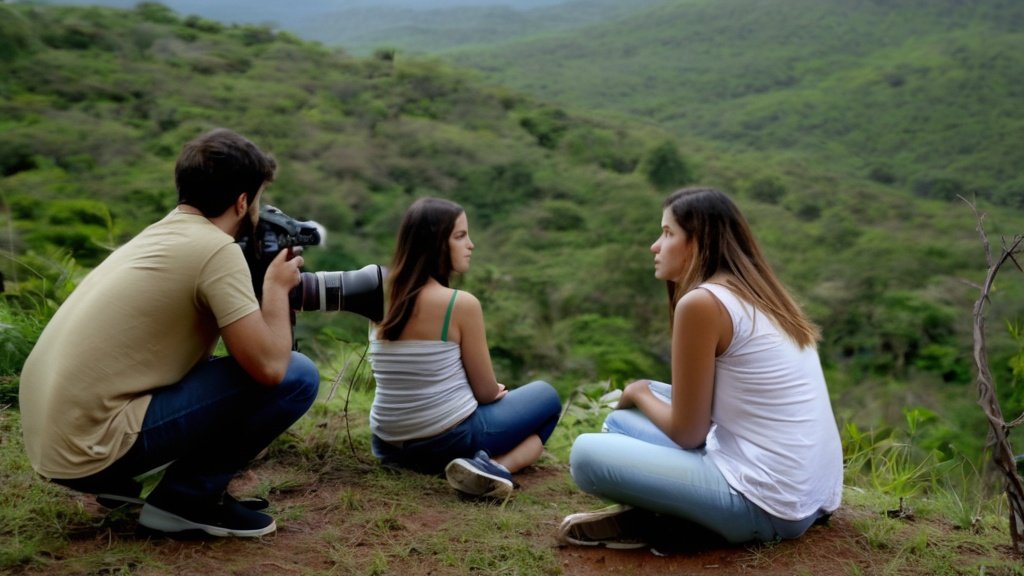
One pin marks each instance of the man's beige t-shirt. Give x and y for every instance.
(139, 321)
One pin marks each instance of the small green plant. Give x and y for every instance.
(961, 492)
(1015, 399)
(887, 458)
(584, 411)
(25, 308)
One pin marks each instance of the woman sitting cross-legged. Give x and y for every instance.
(743, 444)
(437, 404)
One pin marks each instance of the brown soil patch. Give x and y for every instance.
(323, 528)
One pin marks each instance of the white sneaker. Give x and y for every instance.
(613, 527)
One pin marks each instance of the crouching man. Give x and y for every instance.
(122, 382)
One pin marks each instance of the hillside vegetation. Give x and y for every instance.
(845, 114)
(923, 95)
(95, 104)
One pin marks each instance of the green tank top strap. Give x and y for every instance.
(448, 316)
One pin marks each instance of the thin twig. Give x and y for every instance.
(348, 396)
(337, 381)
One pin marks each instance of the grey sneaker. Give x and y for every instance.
(228, 517)
(614, 527)
(479, 476)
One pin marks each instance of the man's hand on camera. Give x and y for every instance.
(283, 272)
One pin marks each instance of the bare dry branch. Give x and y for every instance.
(1016, 422)
(1002, 451)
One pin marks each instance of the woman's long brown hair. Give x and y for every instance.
(421, 253)
(726, 244)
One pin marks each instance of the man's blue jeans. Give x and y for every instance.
(633, 462)
(497, 427)
(208, 426)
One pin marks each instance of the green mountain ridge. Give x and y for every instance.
(363, 29)
(915, 92)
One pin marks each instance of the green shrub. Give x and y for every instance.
(941, 188)
(882, 174)
(767, 189)
(666, 169)
(547, 126)
(601, 147)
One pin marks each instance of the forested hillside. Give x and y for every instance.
(922, 95)
(96, 102)
(849, 115)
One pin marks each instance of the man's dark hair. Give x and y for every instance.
(214, 168)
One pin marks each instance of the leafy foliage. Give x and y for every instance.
(24, 313)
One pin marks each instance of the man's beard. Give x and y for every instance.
(247, 230)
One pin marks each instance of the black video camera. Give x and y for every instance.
(358, 291)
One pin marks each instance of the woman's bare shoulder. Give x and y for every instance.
(467, 298)
(699, 304)
(437, 297)
(434, 293)
(697, 297)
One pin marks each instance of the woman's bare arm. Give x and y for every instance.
(476, 357)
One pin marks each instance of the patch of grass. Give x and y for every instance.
(35, 517)
(343, 514)
(926, 540)
(124, 559)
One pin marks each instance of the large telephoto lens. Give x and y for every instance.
(358, 291)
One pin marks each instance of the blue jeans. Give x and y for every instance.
(497, 427)
(633, 462)
(208, 427)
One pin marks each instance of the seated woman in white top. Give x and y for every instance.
(437, 404)
(742, 444)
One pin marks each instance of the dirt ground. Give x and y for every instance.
(300, 546)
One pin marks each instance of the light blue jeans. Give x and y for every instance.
(633, 462)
